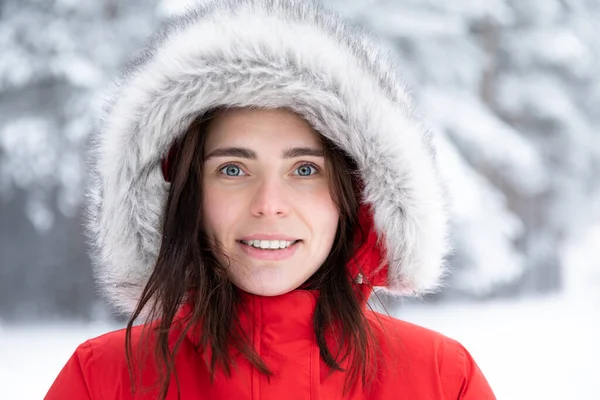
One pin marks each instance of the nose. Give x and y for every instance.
(270, 198)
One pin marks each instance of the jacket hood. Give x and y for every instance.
(265, 53)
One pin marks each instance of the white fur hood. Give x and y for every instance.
(265, 53)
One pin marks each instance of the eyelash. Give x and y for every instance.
(316, 168)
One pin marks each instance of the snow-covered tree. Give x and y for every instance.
(511, 88)
(56, 58)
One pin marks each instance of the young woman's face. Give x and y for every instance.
(266, 200)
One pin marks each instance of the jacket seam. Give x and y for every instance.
(257, 338)
(93, 362)
(460, 371)
(310, 375)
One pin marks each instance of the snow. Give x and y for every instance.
(538, 12)
(79, 71)
(29, 142)
(486, 140)
(582, 255)
(568, 51)
(483, 226)
(173, 8)
(32, 356)
(544, 348)
(396, 22)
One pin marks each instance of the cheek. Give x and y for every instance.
(332, 217)
(217, 210)
(323, 214)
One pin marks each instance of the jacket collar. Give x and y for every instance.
(283, 318)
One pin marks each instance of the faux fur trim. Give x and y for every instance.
(264, 53)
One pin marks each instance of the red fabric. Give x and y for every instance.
(414, 363)
(167, 162)
(368, 259)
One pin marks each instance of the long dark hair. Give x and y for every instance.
(187, 270)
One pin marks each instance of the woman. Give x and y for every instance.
(258, 173)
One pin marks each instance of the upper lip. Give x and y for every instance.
(268, 236)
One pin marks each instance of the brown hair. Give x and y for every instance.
(187, 270)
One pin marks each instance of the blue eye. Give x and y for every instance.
(306, 169)
(232, 170)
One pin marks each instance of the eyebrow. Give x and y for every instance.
(241, 152)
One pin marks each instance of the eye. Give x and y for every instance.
(307, 169)
(232, 170)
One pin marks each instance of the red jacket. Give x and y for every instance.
(417, 363)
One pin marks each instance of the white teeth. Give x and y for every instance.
(269, 244)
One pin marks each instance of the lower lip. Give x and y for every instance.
(261, 254)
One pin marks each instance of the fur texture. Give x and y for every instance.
(264, 53)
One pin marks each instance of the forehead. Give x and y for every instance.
(260, 128)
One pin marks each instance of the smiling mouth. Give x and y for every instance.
(270, 254)
(272, 245)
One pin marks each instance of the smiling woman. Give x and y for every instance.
(295, 179)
